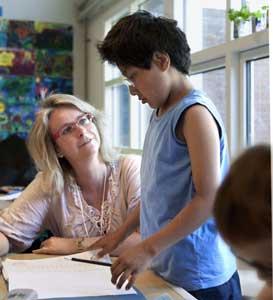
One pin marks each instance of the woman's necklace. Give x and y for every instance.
(103, 223)
(102, 204)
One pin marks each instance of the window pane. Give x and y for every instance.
(119, 97)
(140, 117)
(213, 83)
(155, 7)
(256, 4)
(247, 28)
(111, 71)
(259, 107)
(205, 23)
(144, 120)
(262, 6)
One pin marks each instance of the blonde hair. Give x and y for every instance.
(42, 148)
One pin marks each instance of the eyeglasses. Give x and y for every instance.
(128, 82)
(83, 121)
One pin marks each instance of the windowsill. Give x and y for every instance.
(257, 39)
(129, 151)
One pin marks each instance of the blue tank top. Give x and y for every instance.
(202, 259)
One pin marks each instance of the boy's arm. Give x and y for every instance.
(200, 132)
(131, 241)
(111, 241)
(201, 135)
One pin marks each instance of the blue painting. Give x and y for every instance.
(35, 61)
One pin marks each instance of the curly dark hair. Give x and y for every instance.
(134, 39)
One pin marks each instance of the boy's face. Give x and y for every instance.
(151, 86)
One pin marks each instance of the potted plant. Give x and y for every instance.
(256, 21)
(260, 19)
(265, 10)
(240, 19)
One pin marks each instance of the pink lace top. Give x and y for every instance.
(35, 211)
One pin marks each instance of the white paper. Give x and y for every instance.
(91, 255)
(60, 277)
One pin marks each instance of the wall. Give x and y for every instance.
(55, 11)
(95, 73)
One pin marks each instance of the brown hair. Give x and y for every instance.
(242, 207)
(134, 39)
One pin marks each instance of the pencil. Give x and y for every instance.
(100, 263)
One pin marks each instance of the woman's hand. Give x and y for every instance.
(57, 245)
(131, 263)
(63, 246)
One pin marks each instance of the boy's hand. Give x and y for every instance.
(131, 263)
(108, 243)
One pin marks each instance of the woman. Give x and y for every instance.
(83, 190)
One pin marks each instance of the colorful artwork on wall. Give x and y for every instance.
(17, 62)
(53, 36)
(45, 85)
(35, 60)
(3, 32)
(17, 89)
(54, 63)
(21, 34)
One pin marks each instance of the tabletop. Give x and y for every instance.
(151, 285)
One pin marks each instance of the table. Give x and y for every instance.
(151, 285)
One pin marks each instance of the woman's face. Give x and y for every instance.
(258, 255)
(74, 133)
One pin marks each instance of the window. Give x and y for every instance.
(205, 24)
(129, 118)
(251, 7)
(256, 4)
(154, 6)
(258, 104)
(238, 87)
(119, 109)
(213, 84)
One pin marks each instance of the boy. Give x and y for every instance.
(184, 159)
(246, 191)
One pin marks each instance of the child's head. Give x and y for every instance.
(136, 38)
(243, 209)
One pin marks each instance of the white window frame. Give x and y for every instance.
(135, 127)
(231, 55)
(235, 82)
(245, 57)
